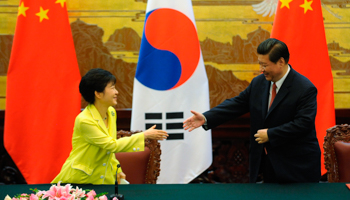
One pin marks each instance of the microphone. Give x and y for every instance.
(116, 194)
(116, 181)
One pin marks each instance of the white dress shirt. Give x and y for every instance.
(278, 85)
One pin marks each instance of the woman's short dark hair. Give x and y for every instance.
(275, 48)
(94, 80)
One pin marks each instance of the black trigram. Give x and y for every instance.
(173, 123)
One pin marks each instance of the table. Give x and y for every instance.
(307, 191)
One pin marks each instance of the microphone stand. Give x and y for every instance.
(116, 194)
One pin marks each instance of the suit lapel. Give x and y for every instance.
(111, 122)
(96, 116)
(283, 91)
(265, 97)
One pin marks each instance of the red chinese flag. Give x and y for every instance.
(299, 23)
(42, 96)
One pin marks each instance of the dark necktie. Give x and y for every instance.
(273, 93)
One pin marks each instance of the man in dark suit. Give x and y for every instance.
(283, 142)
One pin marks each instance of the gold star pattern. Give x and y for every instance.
(42, 14)
(61, 2)
(306, 6)
(285, 3)
(22, 10)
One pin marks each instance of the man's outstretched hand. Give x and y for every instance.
(193, 122)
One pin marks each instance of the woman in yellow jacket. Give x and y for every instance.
(92, 159)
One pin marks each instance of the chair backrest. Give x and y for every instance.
(142, 166)
(337, 153)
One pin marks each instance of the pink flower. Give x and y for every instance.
(66, 190)
(62, 198)
(33, 197)
(58, 192)
(103, 197)
(79, 193)
(114, 198)
(90, 197)
(40, 193)
(91, 193)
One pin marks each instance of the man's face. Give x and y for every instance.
(272, 71)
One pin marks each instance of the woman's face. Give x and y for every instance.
(109, 95)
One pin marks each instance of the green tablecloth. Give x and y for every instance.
(330, 191)
(307, 191)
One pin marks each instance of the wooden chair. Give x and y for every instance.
(337, 153)
(142, 166)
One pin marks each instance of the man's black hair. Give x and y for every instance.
(276, 49)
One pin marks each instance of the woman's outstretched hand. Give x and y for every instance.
(155, 134)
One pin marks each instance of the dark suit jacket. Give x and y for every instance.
(293, 147)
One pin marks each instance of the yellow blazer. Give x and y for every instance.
(92, 159)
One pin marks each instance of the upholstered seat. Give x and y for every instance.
(142, 166)
(337, 153)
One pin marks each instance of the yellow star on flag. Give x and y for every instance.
(42, 14)
(22, 10)
(306, 6)
(285, 3)
(61, 2)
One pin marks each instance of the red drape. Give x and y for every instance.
(299, 23)
(42, 96)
